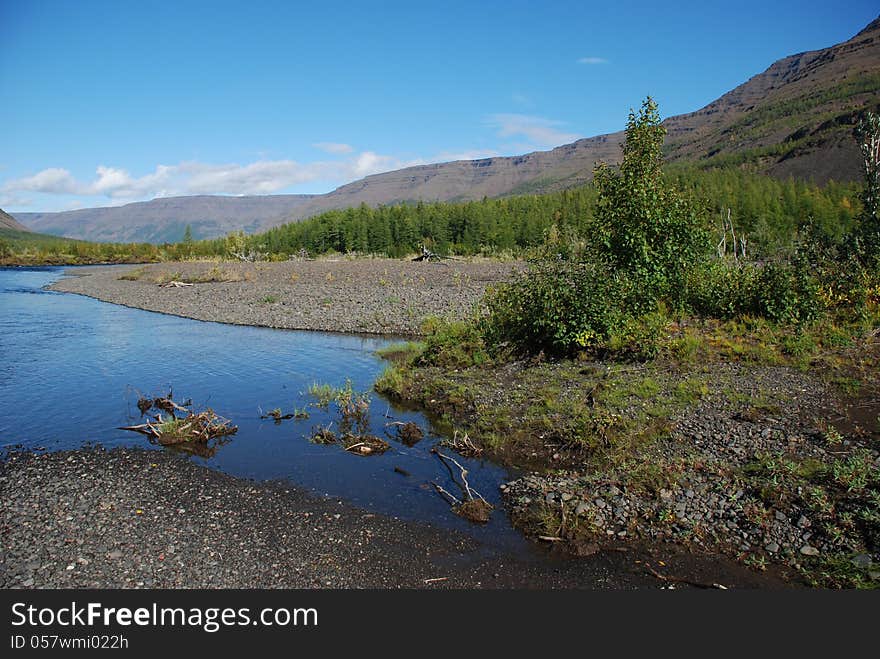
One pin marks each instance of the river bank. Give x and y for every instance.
(769, 460)
(374, 296)
(132, 518)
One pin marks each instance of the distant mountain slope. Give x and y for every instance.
(563, 167)
(8, 222)
(794, 119)
(165, 219)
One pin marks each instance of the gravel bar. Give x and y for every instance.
(372, 296)
(136, 518)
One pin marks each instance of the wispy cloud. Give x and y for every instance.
(592, 60)
(335, 148)
(538, 130)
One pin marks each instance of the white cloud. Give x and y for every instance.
(538, 130)
(592, 60)
(473, 154)
(117, 185)
(336, 148)
(368, 163)
(53, 180)
(187, 178)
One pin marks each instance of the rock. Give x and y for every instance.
(567, 496)
(780, 516)
(550, 498)
(807, 550)
(772, 547)
(581, 509)
(612, 491)
(665, 495)
(861, 560)
(803, 522)
(599, 503)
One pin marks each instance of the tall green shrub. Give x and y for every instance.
(604, 294)
(645, 227)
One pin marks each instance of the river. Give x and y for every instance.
(72, 368)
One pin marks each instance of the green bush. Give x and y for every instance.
(558, 307)
(452, 344)
(638, 338)
(787, 293)
(722, 289)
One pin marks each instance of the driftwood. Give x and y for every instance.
(463, 445)
(175, 284)
(249, 257)
(364, 444)
(189, 427)
(690, 582)
(472, 506)
(428, 255)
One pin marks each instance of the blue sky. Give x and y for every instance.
(103, 103)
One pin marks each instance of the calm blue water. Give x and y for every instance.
(71, 368)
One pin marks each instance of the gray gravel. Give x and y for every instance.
(377, 296)
(131, 518)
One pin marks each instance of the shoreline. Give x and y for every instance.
(96, 518)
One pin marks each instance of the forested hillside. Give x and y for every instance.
(767, 210)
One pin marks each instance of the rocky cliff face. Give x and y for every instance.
(794, 119)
